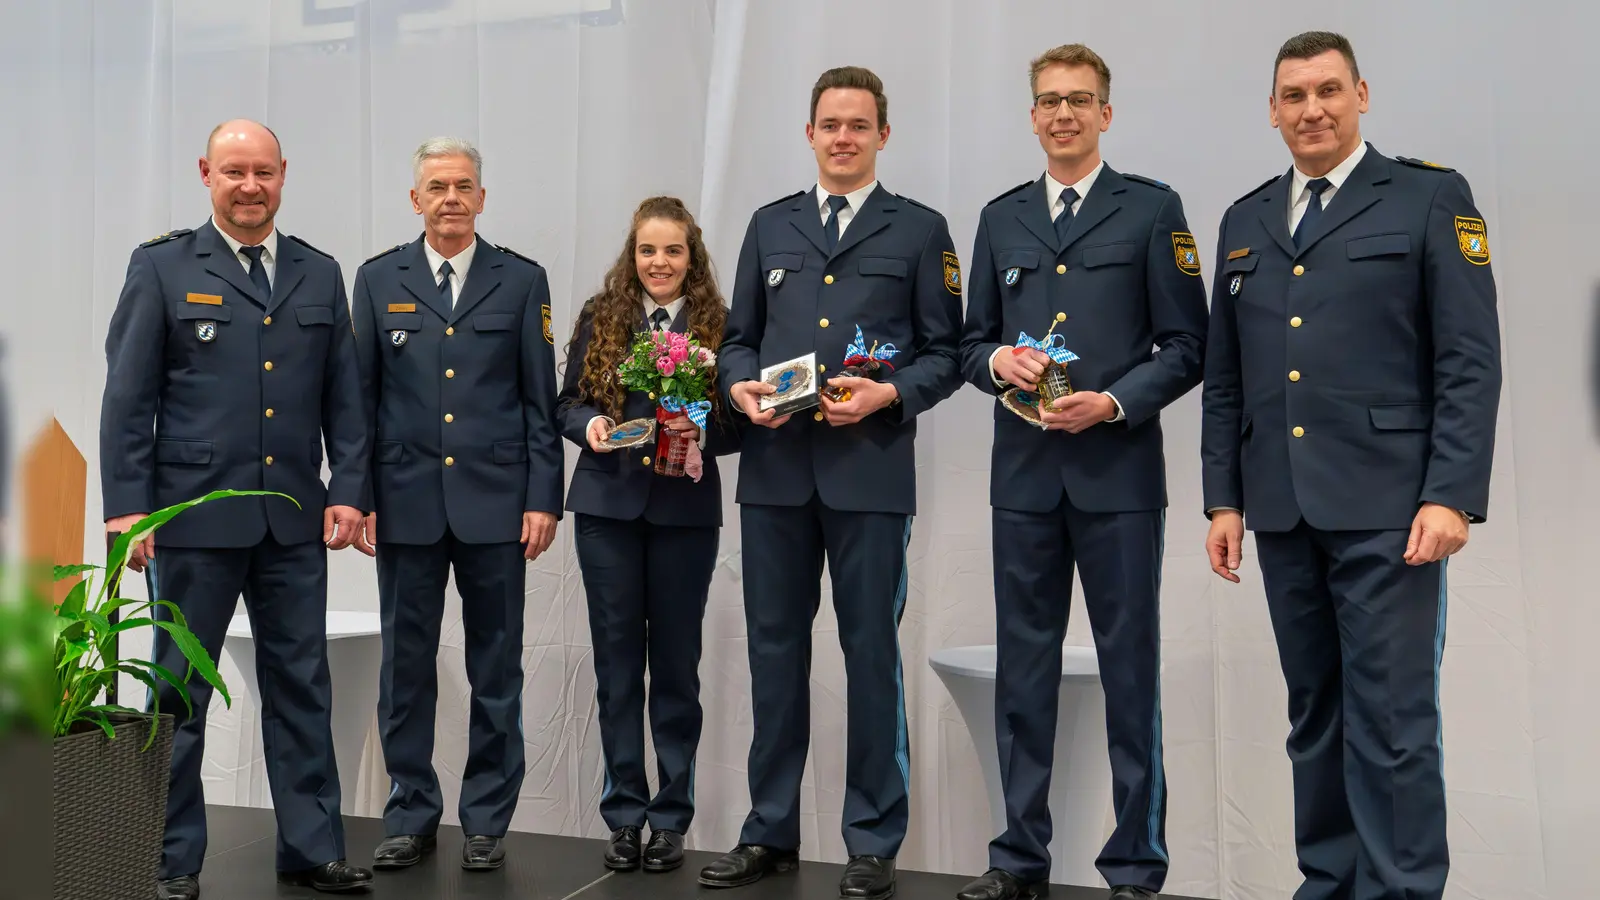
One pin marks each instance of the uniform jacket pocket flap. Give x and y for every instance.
(314, 315)
(1242, 264)
(882, 265)
(205, 313)
(1378, 245)
(1017, 259)
(183, 453)
(789, 262)
(389, 452)
(1401, 417)
(493, 322)
(1108, 255)
(509, 452)
(402, 321)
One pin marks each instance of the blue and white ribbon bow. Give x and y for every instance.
(696, 411)
(858, 349)
(1053, 346)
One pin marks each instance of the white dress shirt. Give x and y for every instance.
(1300, 198)
(853, 202)
(269, 255)
(1052, 194)
(460, 264)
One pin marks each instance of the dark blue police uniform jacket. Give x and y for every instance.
(464, 403)
(1128, 241)
(894, 274)
(242, 391)
(622, 484)
(1358, 377)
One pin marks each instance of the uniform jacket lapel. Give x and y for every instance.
(1104, 199)
(220, 261)
(805, 216)
(417, 277)
(482, 279)
(1355, 195)
(874, 216)
(287, 273)
(1033, 211)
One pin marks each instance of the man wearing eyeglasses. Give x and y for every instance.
(1090, 262)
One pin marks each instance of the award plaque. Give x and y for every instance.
(796, 383)
(632, 433)
(1025, 404)
(1054, 382)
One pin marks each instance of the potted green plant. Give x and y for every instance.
(109, 786)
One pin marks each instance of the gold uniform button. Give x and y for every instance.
(449, 418)
(818, 416)
(1299, 270)
(450, 330)
(269, 412)
(827, 279)
(269, 460)
(267, 321)
(449, 460)
(1061, 270)
(1299, 432)
(1294, 322)
(449, 373)
(268, 365)
(646, 460)
(1294, 375)
(822, 368)
(823, 323)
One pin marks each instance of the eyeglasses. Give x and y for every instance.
(1077, 100)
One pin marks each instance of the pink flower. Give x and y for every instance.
(666, 366)
(678, 353)
(706, 357)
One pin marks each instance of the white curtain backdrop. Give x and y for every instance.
(583, 107)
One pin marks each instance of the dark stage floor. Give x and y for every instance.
(239, 866)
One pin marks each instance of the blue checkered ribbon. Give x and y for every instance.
(696, 411)
(858, 349)
(1055, 347)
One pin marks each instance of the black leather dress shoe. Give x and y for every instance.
(998, 884)
(184, 888)
(400, 851)
(482, 853)
(1129, 892)
(665, 852)
(867, 878)
(338, 877)
(622, 854)
(746, 864)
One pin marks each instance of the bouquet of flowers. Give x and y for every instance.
(675, 371)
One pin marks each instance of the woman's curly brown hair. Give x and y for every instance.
(615, 311)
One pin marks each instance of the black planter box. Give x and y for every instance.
(110, 799)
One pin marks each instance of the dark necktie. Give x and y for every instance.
(1313, 212)
(659, 320)
(1064, 221)
(835, 204)
(258, 272)
(444, 285)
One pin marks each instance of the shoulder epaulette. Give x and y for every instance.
(163, 238)
(510, 252)
(382, 253)
(1258, 189)
(919, 204)
(302, 242)
(785, 199)
(1147, 180)
(1010, 192)
(1423, 164)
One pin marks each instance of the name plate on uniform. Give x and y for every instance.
(796, 383)
(402, 307)
(207, 299)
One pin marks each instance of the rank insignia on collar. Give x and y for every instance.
(1187, 254)
(952, 273)
(206, 331)
(398, 337)
(1473, 238)
(775, 277)
(1235, 283)
(1012, 274)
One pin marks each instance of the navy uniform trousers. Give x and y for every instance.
(411, 588)
(285, 594)
(784, 548)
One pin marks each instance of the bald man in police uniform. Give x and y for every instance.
(1111, 254)
(229, 364)
(1351, 387)
(838, 483)
(458, 371)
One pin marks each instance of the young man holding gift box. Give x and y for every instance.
(837, 482)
